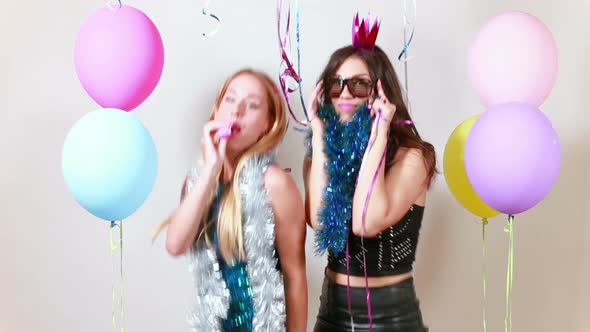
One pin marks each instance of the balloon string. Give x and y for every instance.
(509, 229)
(114, 248)
(484, 278)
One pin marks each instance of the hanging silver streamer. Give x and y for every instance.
(409, 18)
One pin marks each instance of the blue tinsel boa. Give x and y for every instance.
(344, 147)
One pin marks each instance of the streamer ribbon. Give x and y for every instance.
(205, 11)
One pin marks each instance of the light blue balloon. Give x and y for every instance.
(109, 163)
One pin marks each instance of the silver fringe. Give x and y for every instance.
(212, 296)
(259, 243)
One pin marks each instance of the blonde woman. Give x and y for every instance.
(241, 217)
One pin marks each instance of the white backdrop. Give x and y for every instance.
(55, 264)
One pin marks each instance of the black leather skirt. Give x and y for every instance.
(395, 308)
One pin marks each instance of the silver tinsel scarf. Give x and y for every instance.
(212, 295)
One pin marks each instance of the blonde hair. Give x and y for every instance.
(229, 220)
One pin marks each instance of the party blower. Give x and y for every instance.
(228, 130)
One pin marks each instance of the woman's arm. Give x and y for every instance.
(185, 221)
(394, 192)
(290, 231)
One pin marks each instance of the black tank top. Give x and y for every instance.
(391, 252)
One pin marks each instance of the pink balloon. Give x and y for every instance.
(513, 58)
(119, 57)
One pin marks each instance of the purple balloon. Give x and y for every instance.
(512, 157)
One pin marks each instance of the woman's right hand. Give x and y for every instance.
(313, 103)
(212, 147)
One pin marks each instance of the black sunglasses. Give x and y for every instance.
(358, 87)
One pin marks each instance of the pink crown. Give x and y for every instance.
(364, 33)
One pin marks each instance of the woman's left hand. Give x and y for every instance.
(382, 105)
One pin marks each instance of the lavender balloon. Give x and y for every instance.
(512, 157)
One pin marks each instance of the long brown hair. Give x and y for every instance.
(380, 68)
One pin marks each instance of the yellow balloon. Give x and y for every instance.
(456, 175)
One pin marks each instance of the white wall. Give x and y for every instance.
(56, 269)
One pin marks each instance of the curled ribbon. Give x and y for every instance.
(206, 12)
(288, 72)
(403, 122)
(403, 55)
(298, 38)
(408, 27)
(348, 295)
(375, 132)
(364, 215)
